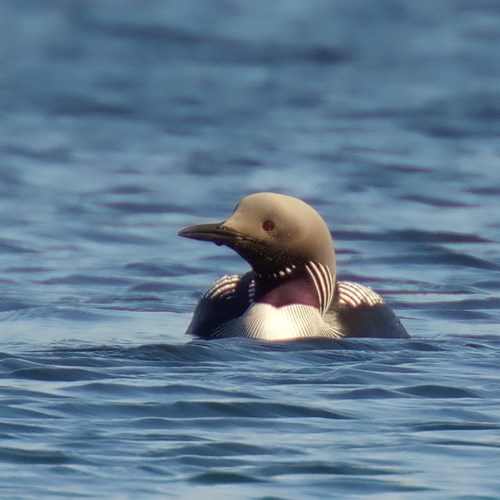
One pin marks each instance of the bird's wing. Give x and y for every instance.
(361, 312)
(226, 299)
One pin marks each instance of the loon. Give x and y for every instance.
(291, 291)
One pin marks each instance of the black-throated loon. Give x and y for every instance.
(291, 292)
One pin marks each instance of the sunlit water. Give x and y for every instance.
(121, 124)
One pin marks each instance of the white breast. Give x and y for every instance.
(266, 322)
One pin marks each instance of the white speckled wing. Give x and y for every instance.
(227, 298)
(354, 295)
(358, 311)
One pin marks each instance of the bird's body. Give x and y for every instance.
(291, 291)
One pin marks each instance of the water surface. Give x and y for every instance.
(121, 125)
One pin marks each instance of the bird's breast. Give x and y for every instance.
(267, 322)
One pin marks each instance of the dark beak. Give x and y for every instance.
(217, 232)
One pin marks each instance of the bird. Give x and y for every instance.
(291, 291)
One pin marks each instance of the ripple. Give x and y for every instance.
(437, 202)
(369, 393)
(317, 467)
(251, 409)
(34, 456)
(456, 426)
(224, 477)
(61, 374)
(438, 391)
(10, 246)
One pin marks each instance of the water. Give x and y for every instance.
(121, 125)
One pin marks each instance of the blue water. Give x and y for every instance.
(123, 122)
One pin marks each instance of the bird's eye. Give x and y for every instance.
(268, 225)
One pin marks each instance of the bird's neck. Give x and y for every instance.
(311, 284)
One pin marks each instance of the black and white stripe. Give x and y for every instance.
(266, 322)
(323, 282)
(223, 288)
(354, 295)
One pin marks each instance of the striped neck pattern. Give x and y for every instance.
(322, 278)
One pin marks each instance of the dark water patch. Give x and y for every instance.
(209, 462)
(129, 190)
(181, 44)
(155, 470)
(15, 394)
(33, 456)
(438, 391)
(475, 345)
(464, 443)
(74, 105)
(455, 258)
(407, 169)
(252, 409)
(369, 393)
(57, 154)
(325, 468)
(7, 305)
(485, 191)
(9, 176)
(18, 412)
(156, 427)
(59, 374)
(270, 498)
(11, 363)
(154, 286)
(195, 351)
(224, 477)
(225, 449)
(147, 33)
(14, 247)
(456, 426)
(13, 430)
(372, 486)
(419, 345)
(437, 202)
(463, 115)
(170, 390)
(111, 410)
(493, 284)
(28, 270)
(246, 161)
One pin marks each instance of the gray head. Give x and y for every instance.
(272, 232)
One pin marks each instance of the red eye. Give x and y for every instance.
(268, 225)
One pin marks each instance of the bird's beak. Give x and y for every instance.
(217, 233)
